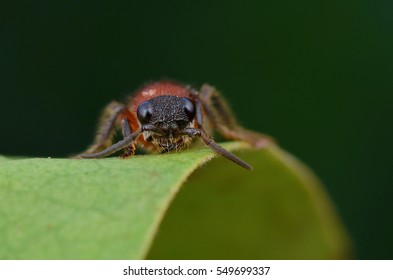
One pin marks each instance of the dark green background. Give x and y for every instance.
(317, 75)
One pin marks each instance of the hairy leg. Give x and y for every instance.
(223, 120)
(106, 127)
(127, 131)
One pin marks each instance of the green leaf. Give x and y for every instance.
(117, 209)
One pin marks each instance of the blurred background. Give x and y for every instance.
(316, 75)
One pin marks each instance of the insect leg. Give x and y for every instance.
(106, 127)
(223, 120)
(126, 129)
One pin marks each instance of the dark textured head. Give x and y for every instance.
(163, 118)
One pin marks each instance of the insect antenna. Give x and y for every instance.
(221, 151)
(115, 147)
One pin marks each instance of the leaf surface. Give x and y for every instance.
(113, 208)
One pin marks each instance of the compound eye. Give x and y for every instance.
(189, 108)
(144, 112)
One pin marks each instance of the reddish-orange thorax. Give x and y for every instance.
(157, 89)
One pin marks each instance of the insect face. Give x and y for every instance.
(169, 115)
(163, 120)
